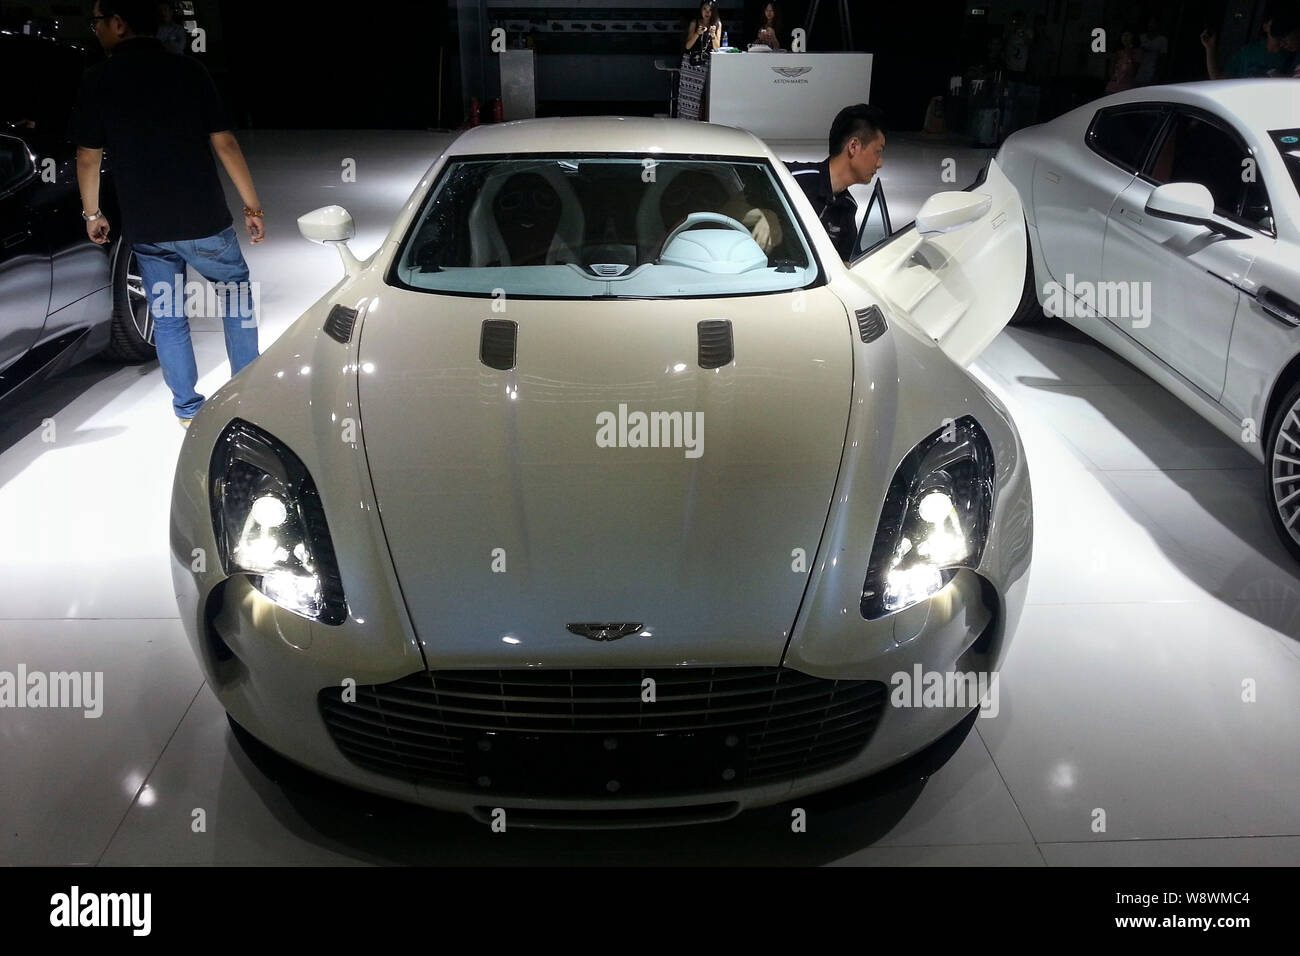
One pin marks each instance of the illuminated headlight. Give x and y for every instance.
(270, 525)
(934, 521)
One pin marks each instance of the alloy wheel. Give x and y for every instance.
(138, 301)
(1286, 472)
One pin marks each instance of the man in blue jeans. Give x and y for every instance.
(161, 119)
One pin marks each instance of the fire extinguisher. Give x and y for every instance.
(473, 113)
(498, 112)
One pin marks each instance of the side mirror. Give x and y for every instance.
(1182, 202)
(331, 224)
(327, 224)
(944, 212)
(1191, 203)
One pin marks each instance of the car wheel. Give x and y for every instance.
(1028, 311)
(131, 338)
(1283, 471)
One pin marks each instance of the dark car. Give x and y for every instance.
(62, 297)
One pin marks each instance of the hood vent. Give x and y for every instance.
(496, 347)
(871, 323)
(716, 347)
(339, 323)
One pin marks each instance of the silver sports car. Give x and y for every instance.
(1165, 223)
(605, 494)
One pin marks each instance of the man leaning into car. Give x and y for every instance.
(857, 139)
(156, 114)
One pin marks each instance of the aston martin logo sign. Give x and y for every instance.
(604, 631)
(792, 72)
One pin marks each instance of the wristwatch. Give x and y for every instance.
(91, 218)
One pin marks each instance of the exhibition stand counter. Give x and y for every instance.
(786, 96)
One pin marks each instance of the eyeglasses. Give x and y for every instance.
(94, 21)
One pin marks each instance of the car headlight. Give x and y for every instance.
(935, 519)
(270, 525)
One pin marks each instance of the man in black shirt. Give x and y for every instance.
(857, 141)
(160, 118)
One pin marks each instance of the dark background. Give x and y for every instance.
(416, 64)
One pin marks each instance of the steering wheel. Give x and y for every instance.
(698, 218)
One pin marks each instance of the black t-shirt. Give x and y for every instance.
(838, 214)
(152, 112)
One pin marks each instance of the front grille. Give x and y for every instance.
(590, 733)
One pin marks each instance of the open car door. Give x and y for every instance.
(876, 226)
(958, 272)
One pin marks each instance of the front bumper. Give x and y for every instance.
(271, 670)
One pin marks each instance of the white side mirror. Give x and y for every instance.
(327, 224)
(331, 224)
(1181, 202)
(944, 212)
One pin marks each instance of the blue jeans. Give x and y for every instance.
(162, 268)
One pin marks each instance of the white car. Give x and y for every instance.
(1165, 223)
(576, 503)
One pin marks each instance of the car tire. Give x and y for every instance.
(1028, 312)
(131, 335)
(1282, 474)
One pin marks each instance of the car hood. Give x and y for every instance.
(517, 502)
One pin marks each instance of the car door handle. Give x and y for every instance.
(1131, 215)
(1278, 305)
(16, 238)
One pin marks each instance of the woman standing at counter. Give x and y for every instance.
(703, 36)
(769, 34)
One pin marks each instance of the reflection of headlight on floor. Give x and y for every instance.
(269, 522)
(935, 519)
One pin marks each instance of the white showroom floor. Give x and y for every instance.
(1157, 588)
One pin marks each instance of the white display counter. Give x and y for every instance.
(786, 96)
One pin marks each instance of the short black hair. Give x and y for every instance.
(863, 121)
(140, 15)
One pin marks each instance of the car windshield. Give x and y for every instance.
(584, 226)
(1287, 142)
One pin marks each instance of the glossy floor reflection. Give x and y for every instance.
(1158, 592)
